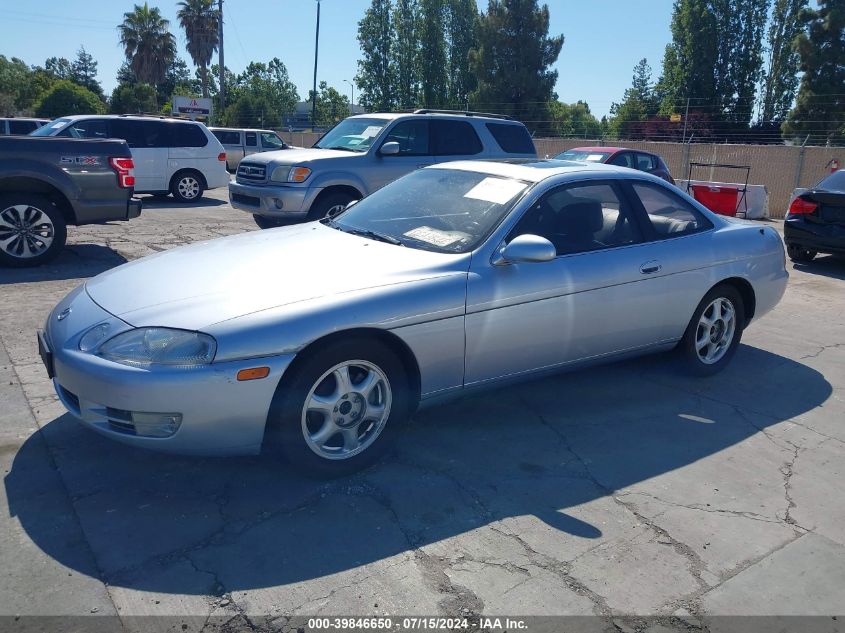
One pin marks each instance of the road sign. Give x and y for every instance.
(192, 107)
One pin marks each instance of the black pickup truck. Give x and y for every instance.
(48, 183)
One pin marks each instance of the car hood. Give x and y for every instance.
(195, 286)
(300, 156)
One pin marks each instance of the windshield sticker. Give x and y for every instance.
(371, 131)
(433, 236)
(58, 124)
(496, 190)
(594, 158)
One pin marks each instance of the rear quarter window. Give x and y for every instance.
(22, 127)
(188, 135)
(513, 139)
(454, 138)
(669, 214)
(228, 137)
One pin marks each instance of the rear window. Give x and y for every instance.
(513, 139)
(834, 182)
(227, 137)
(583, 156)
(454, 138)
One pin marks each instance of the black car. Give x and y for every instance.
(816, 220)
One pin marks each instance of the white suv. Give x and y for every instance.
(171, 155)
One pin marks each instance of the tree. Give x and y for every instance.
(512, 61)
(147, 42)
(16, 82)
(200, 21)
(404, 49)
(252, 110)
(270, 82)
(780, 79)
(177, 80)
(65, 98)
(375, 72)
(133, 99)
(461, 23)
(574, 120)
(83, 71)
(820, 106)
(332, 106)
(59, 67)
(432, 56)
(638, 104)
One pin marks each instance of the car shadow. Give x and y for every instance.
(212, 525)
(826, 265)
(161, 202)
(76, 261)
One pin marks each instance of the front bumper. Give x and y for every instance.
(272, 201)
(219, 414)
(814, 236)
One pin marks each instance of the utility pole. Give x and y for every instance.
(316, 51)
(686, 116)
(220, 55)
(352, 98)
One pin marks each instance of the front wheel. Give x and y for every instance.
(714, 332)
(187, 186)
(342, 408)
(32, 230)
(329, 205)
(800, 255)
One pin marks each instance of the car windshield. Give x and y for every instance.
(48, 129)
(580, 156)
(834, 182)
(442, 210)
(354, 135)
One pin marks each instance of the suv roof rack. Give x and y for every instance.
(464, 112)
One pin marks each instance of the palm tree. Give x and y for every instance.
(148, 43)
(200, 20)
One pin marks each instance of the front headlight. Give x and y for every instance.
(148, 346)
(286, 173)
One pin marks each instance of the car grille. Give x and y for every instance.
(251, 201)
(251, 172)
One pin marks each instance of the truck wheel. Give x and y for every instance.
(329, 204)
(32, 230)
(187, 186)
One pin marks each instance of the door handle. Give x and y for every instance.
(650, 267)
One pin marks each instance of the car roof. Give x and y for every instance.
(240, 129)
(130, 117)
(458, 116)
(532, 169)
(601, 149)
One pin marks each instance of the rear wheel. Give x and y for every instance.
(187, 186)
(342, 408)
(329, 205)
(799, 254)
(32, 230)
(714, 332)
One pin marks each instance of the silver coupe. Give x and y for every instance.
(323, 338)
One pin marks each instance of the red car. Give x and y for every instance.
(620, 156)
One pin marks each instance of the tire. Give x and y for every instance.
(32, 230)
(314, 381)
(187, 186)
(719, 342)
(266, 223)
(800, 255)
(329, 203)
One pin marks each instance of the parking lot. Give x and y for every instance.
(624, 491)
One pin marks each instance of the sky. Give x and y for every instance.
(604, 39)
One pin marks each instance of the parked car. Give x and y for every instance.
(621, 157)
(47, 184)
(362, 154)
(458, 276)
(240, 142)
(20, 126)
(816, 220)
(173, 156)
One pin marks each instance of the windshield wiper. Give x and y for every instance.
(341, 148)
(375, 235)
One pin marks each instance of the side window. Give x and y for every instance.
(251, 139)
(188, 135)
(22, 127)
(512, 138)
(156, 133)
(670, 215)
(412, 136)
(87, 128)
(624, 159)
(268, 139)
(454, 138)
(130, 131)
(581, 217)
(228, 137)
(646, 162)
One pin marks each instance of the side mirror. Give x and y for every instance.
(526, 249)
(389, 149)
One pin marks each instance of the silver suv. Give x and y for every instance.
(363, 153)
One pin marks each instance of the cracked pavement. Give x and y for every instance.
(627, 491)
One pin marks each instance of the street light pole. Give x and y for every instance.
(316, 51)
(220, 63)
(352, 97)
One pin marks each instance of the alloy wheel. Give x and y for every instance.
(715, 331)
(25, 231)
(189, 187)
(346, 409)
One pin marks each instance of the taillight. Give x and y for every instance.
(221, 156)
(800, 206)
(125, 168)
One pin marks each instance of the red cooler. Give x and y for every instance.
(721, 199)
